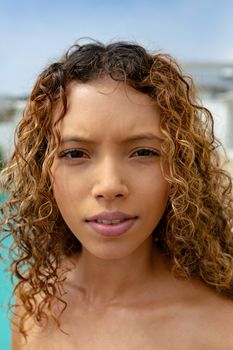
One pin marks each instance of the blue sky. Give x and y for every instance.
(35, 32)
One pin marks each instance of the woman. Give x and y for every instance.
(120, 213)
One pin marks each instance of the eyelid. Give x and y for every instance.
(156, 152)
(64, 153)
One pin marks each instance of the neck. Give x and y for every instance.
(103, 281)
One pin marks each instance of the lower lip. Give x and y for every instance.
(112, 230)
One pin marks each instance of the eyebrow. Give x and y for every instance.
(146, 136)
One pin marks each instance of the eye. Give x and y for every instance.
(71, 154)
(147, 152)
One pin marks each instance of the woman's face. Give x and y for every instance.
(109, 171)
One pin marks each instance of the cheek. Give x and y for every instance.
(62, 188)
(155, 184)
(66, 201)
(159, 196)
(158, 192)
(66, 192)
(152, 197)
(70, 195)
(64, 181)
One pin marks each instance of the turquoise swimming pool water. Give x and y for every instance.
(5, 292)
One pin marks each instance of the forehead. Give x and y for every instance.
(109, 88)
(108, 104)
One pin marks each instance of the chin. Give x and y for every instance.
(111, 254)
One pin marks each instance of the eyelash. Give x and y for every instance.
(65, 154)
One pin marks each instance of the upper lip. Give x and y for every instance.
(106, 215)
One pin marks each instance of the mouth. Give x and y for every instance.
(108, 217)
(112, 229)
(111, 222)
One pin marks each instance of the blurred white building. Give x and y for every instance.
(214, 83)
(11, 110)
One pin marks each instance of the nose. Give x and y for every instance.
(109, 182)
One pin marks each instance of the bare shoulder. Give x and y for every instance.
(193, 316)
(209, 319)
(218, 317)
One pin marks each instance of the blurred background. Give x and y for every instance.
(33, 33)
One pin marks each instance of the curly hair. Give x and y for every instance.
(196, 229)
